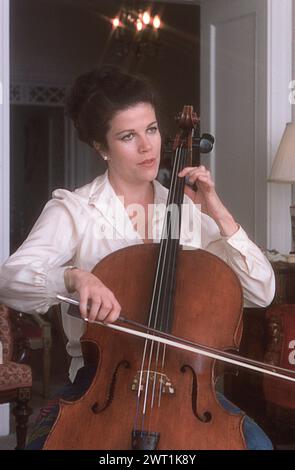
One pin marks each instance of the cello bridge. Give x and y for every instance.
(155, 379)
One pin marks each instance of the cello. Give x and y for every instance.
(146, 395)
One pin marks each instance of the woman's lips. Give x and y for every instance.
(148, 162)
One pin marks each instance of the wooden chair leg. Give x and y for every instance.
(46, 359)
(22, 412)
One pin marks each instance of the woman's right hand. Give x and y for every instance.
(93, 293)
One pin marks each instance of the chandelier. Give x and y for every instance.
(136, 30)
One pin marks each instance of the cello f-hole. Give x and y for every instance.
(207, 416)
(98, 409)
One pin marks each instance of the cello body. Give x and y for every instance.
(177, 394)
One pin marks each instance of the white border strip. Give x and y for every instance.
(4, 161)
(4, 130)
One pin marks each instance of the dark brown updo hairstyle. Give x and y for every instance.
(98, 95)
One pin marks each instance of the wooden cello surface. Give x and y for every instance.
(177, 407)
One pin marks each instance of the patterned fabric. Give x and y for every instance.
(48, 414)
(44, 423)
(5, 333)
(14, 375)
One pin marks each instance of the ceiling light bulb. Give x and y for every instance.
(146, 18)
(138, 25)
(157, 22)
(116, 22)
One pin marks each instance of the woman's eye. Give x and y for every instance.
(152, 130)
(127, 137)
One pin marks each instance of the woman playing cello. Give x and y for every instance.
(117, 114)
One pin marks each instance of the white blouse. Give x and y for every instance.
(81, 227)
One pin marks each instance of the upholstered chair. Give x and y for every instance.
(33, 332)
(279, 394)
(15, 379)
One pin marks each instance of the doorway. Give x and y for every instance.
(36, 165)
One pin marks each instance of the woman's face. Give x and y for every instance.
(134, 144)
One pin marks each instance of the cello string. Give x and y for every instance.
(148, 370)
(174, 245)
(173, 224)
(162, 253)
(173, 254)
(164, 248)
(178, 199)
(167, 249)
(155, 376)
(139, 386)
(162, 368)
(160, 272)
(167, 227)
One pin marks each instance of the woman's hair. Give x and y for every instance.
(98, 95)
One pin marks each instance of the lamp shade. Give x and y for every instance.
(283, 168)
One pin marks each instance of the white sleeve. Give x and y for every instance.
(32, 277)
(245, 258)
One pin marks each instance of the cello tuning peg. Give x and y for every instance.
(206, 143)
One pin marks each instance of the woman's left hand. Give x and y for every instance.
(206, 196)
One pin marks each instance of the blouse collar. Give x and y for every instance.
(102, 195)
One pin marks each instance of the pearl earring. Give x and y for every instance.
(97, 148)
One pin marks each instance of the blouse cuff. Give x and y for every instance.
(239, 240)
(55, 282)
(238, 246)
